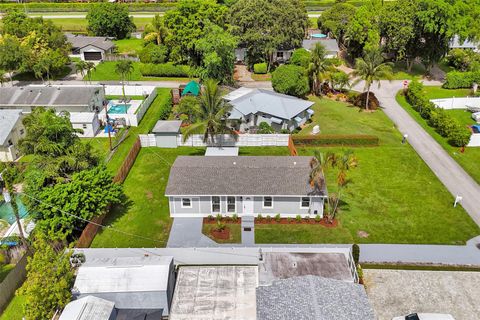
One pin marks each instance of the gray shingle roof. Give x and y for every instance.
(47, 96)
(78, 42)
(8, 119)
(244, 175)
(167, 126)
(312, 297)
(330, 45)
(276, 104)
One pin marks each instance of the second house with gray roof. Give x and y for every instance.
(245, 186)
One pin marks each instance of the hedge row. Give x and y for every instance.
(81, 7)
(336, 140)
(456, 79)
(446, 125)
(260, 68)
(164, 70)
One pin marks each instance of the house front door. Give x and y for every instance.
(248, 205)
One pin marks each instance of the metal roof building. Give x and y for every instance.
(135, 284)
(8, 120)
(89, 308)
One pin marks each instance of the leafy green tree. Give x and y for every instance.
(153, 53)
(212, 117)
(363, 30)
(16, 23)
(319, 68)
(110, 20)
(48, 282)
(12, 54)
(265, 128)
(124, 69)
(371, 68)
(87, 195)
(339, 80)
(190, 106)
(264, 26)
(290, 79)
(217, 48)
(336, 19)
(186, 24)
(156, 31)
(301, 57)
(50, 62)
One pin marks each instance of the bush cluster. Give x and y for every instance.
(446, 125)
(463, 60)
(456, 79)
(260, 68)
(153, 53)
(336, 140)
(291, 79)
(164, 70)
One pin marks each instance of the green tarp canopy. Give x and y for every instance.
(192, 87)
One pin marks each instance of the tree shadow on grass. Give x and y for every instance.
(117, 211)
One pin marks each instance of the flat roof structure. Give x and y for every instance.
(82, 117)
(8, 120)
(252, 175)
(215, 292)
(167, 126)
(283, 265)
(221, 151)
(89, 308)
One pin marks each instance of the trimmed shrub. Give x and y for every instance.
(164, 70)
(336, 140)
(277, 217)
(456, 79)
(291, 79)
(265, 128)
(356, 253)
(298, 218)
(446, 125)
(260, 68)
(301, 57)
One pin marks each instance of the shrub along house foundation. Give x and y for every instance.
(245, 186)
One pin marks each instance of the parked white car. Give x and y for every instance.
(476, 116)
(426, 316)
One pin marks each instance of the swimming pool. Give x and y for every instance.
(120, 108)
(6, 211)
(319, 35)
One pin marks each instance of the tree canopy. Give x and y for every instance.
(290, 79)
(110, 19)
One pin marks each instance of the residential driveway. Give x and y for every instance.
(398, 292)
(187, 233)
(450, 173)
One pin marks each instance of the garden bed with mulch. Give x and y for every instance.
(223, 234)
(323, 222)
(222, 220)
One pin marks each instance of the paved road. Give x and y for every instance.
(450, 173)
(81, 15)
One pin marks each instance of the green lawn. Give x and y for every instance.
(129, 46)
(469, 160)
(30, 76)
(75, 24)
(235, 232)
(433, 92)
(400, 71)
(392, 196)
(14, 310)
(4, 270)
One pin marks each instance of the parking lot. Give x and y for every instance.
(399, 292)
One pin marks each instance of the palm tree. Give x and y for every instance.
(124, 68)
(319, 67)
(156, 30)
(89, 68)
(212, 114)
(371, 68)
(81, 66)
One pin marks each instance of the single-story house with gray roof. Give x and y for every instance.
(250, 107)
(330, 45)
(243, 185)
(11, 131)
(313, 297)
(90, 48)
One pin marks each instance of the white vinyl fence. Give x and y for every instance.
(474, 140)
(457, 103)
(242, 140)
(130, 90)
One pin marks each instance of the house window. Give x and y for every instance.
(305, 203)
(267, 202)
(186, 203)
(231, 207)
(22, 131)
(280, 54)
(84, 126)
(215, 204)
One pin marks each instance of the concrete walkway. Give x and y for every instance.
(448, 171)
(187, 233)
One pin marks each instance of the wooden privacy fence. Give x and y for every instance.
(92, 228)
(291, 147)
(12, 281)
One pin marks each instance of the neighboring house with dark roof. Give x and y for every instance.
(330, 45)
(61, 98)
(246, 186)
(90, 48)
(250, 107)
(313, 297)
(11, 130)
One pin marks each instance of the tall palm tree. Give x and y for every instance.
(81, 66)
(89, 68)
(156, 30)
(212, 115)
(124, 68)
(319, 67)
(371, 68)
